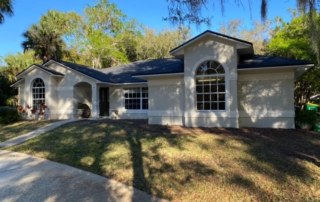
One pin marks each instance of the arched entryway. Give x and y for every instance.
(82, 99)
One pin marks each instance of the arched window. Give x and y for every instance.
(38, 93)
(210, 86)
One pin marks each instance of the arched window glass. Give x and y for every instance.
(210, 86)
(38, 93)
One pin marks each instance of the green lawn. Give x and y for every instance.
(184, 164)
(19, 128)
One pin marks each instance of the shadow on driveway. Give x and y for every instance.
(26, 178)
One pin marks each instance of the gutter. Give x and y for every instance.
(277, 67)
(158, 75)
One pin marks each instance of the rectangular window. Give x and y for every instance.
(136, 98)
(210, 93)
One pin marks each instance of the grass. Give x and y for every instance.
(190, 164)
(19, 128)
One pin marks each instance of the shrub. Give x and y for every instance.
(12, 101)
(86, 110)
(306, 118)
(8, 115)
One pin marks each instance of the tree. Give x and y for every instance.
(258, 34)
(15, 63)
(6, 92)
(5, 9)
(60, 22)
(46, 37)
(105, 37)
(105, 16)
(191, 11)
(46, 44)
(152, 45)
(292, 40)
(129, 38)
(102, 50)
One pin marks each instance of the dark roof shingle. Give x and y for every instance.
(91, 72)
(258, 61)
(50, 70)
(125, 73)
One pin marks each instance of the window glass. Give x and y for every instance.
(38, 93)
(136, 98)
(210, 86)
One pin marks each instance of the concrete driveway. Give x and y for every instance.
(27, 178)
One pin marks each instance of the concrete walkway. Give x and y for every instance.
(27, 178)
(22, 138)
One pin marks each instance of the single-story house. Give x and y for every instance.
(212, 80)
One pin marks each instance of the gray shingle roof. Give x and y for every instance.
(258, 61)
(91, 72)
(125, 73)
(50, 70)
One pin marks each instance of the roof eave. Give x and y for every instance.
(277, 67)
(17, 83)
(23, 72)
(159, 75)
(50, 61)
(121, 84)
(27, 70)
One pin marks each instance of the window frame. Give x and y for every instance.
(140, 97)
(211, 94)
(38, 94)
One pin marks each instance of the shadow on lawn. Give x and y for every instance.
(148, 166)
(139, 131)
(279, 148)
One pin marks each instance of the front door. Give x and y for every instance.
(104, 101)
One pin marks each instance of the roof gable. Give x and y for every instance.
(82, 69)
(41, 67)
(242, 44)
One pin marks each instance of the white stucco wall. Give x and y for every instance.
(59, 92)
(21, 96)
(117, 108)
(65, 104)
(224, 52)
(166, 101)
(266, 98)
(26, 92)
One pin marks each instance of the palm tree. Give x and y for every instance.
(46, 44)
(5, 9)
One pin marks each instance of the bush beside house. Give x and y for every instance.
(306, 119)
(9, 115)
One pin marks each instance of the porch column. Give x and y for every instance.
(95, 101)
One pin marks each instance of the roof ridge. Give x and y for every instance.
(131, 64)
(76, 64)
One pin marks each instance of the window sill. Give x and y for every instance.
(134, 111)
